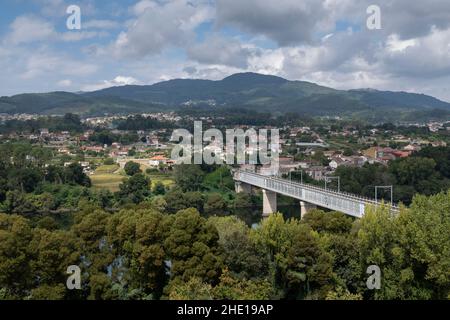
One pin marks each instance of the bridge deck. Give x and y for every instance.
(339, 201)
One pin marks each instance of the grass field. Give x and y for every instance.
(166, 181)
(106, 169)
(110, 177)
(106, 178)
(108, 181)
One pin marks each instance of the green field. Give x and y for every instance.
(106, 181)
(110, 177)
(166, 179)
(107, 169)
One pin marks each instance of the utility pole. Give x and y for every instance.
(385, 187)
(301, 175)
(330, 178)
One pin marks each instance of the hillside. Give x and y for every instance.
(55, 103)
(246, 90)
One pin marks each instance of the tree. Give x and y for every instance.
(427, 223)
(348, 152)
(188, 177)
(192, 246)
(159, 188)
(47, 223)
(411, 171)
(194, 289)
(74, 174)
(24, 179)
(131, 168)
(90, 228)
(243, 200)
(301, 268)
(231, 288)
(241, 255)
(378, 245)
(215, 204)
(177, 200)
(49, 292)
(342, 294)
(139, 236)
(135, 189)
(332, 222)
(52, 253)
(305, 267)
(410, 249)
(15, 270)
(159, 203)
(18, 202)
(221, 178)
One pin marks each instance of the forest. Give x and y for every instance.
(143, 252)
(144, 243)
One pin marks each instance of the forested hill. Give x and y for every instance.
(246, 90)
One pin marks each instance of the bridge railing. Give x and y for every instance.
(344, 195)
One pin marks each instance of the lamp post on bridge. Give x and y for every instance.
(330, 178)
(385, 187)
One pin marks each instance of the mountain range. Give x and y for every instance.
(262, 93)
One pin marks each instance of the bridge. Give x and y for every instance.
(309, 196)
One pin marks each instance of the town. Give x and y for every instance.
(318, 150)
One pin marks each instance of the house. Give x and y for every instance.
(158, 160)
(336, 162)
(401, 154)
(412, 148)
(383, 154)
(358, 161)
(317, 172)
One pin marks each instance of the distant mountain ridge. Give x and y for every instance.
(263, 93)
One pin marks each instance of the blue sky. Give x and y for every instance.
(146, 41)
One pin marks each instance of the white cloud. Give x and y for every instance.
(159, 25)
(65, 83)
(424, 57)
(101, 24)
(219, 50)
(29, 29)
(117, 81)
(26, 29)
(287, 22)
(42, 63)
(394, 43)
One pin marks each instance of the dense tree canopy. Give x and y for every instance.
(142, 253)
(131, 168)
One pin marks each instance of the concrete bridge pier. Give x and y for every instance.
(306, 207)
(269, 203)
(241, 187)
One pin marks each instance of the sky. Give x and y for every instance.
(142, 42)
